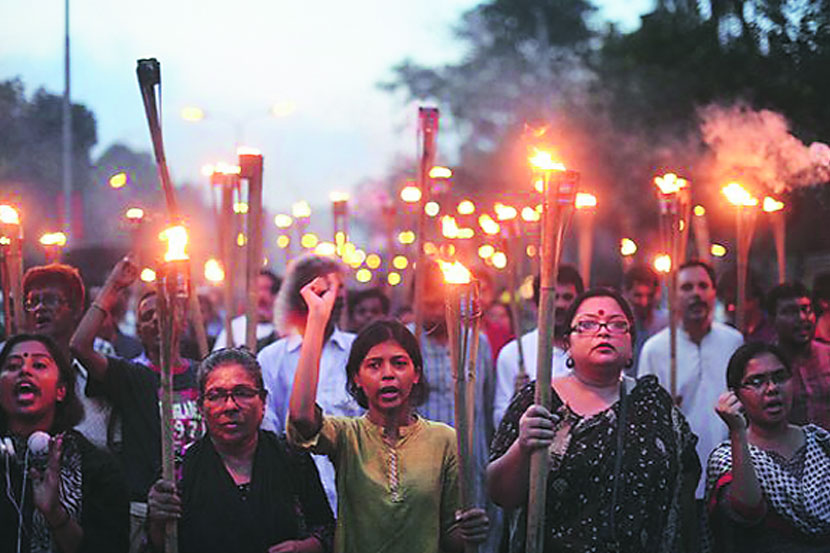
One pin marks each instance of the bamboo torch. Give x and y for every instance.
(428, 129)
(52, 243)
(227, 177)
(628, 248)
(701, 229)
(463, 313)
(586, 208)
(507, 215)
(250, 163)
(559, 192)
(746, 213)
(775, 209)
(172, 291)
(673, 208)
(11, 251)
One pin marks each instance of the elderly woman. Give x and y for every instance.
(623, 466)
(768, 487)
(242, 489)
(74, 500)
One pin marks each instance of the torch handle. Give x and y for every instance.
(428, 127)
(779, 227)
(254, 260)
(227, 238)
(515, 307)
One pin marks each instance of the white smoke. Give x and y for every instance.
(756, 147)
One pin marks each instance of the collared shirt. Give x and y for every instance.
(811, 387)
(701, 379)
(279, 364)
(238, 327)
(507, 369)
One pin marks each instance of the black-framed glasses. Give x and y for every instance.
(591, 326)
(47, 299)
(239, 395)
(759, 381)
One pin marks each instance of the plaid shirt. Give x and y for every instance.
(811, 387)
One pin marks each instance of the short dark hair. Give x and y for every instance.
(736, 368)
(66, 277)
(68, 412)
(821, 290)
(360, 295)
(376, 333)
(602, 292)
(567, 274)
(290, 305)
(785, 291)
(640, 273)
(276, 281)
(703, 265)
(230, 356)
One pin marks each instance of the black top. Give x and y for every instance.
(104, 505)
(283, 501)
(133, 389)
(658, 457)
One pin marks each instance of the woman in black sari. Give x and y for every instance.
(242, 489)
(623, 466)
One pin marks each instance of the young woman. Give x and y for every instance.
(75, 501)
(397, 482)
(768, 486)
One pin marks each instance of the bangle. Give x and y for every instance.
(62, 523)
(98, 306)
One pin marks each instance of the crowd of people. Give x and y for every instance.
(336, 434)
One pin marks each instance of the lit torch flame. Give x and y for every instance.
(338, 197)
(772, 205)
(449, 228)
(585, 200)
(738, 195)
(488, 225)
(544, 161)
(9, 215)
(53, 239)
(226, 168)
(504, 212)
(214, 271)
(439, 172)
(134, 214)
(455, 272)
(176, 238)
(662, 263)
(670, 183)
(628, 247)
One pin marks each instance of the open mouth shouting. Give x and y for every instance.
(388, 393)
(25, 392)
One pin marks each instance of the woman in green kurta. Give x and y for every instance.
(397, 484)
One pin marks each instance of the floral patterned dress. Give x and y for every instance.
(658, 461)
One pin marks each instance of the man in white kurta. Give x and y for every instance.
(703, 351)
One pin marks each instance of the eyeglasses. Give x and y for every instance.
(239, 395)
(590, 326)
(759, 381)
(48, 300)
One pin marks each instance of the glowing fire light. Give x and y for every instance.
(393, 278)
(207, 170)
(241, 239)
(499, 260)
(699, 210)
(738, 195)
(214, 271)
(488, 225)
(53, 239)
(400, 262)
(325, 249)
(486, 251)
(539, 185)
(628, 247)
(309, 240)
(432, 209)
(662, 263)
(531, 250)
(226, 168)
(192, 113)
(465, 233)
(176, 238)
(240, 207)
(449, 228)
(530, 215)
(134, 214)
(411, 194)
(339, 197)
(282, 220)
(363, 275)
(585, 200)
(544, 161)
(406, 237)
(301, 210)
(718, 250)
(504, 212)
(373, 261)
(466, 207)
(670, 183)
(283, 241)
(9, 215)
(439, 172)
(772, 205)
(147, 275)
(455, 272)
(118, 180)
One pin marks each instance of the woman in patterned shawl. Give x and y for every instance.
(623, 467)
(768, 487)
(75, 501)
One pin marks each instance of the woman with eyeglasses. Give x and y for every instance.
(242, 489)
(63, 494)
(623, 467)
(768, 487)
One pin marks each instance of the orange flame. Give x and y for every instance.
(738, 195)
(585, 200)
(411, 194)
(9, 215)
(176, 238)
(449, 228)
(53, 239)
(504, 212)
(544, 161)
(488, 225)
(670, 183)
(772, 205)
(455, 272)
(628, 247)
(662, 263)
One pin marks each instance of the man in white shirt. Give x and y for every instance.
(703, 351)
(509, 378)
(268, 285)
(279, 360)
